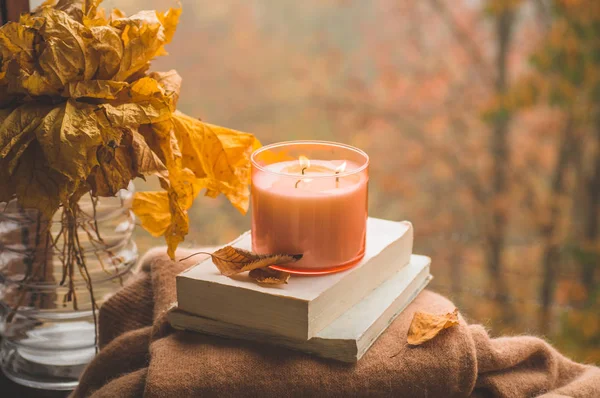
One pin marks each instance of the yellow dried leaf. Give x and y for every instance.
(30, 83)
(180, 222)
(186, 186)
(168, 146)
(146, 87)
(74, 8)
(11, 160)
(170, 208)
(132, 115)
(181, 143)
(169, 19)
(38, 186)
(18, 124)
(180, 185)
(102, 89)
(17, 127)
(65, 53)
(113, 173)
(152, 209)
(145, 103)
(145, 161)
(143, 36)
(70, 135)
(109, 47)
(238, 196)
(269, 276)
(425, 326)
(170, 82)
(4, 113)
(219, 154)
(91, 9)
(16, 44)
(231, 260)
(115, 13)
(117, 166)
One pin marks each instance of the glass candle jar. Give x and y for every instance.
(310, 198)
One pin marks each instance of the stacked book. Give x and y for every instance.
(336, 316)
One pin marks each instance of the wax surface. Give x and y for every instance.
(321, 218)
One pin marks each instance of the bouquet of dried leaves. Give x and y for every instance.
(81, 114)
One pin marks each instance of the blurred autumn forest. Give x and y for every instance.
(481, 117)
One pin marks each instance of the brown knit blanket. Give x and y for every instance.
(142, 356)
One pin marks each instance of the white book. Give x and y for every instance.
(348, 337)
(307, 304)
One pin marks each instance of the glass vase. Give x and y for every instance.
(46, 319)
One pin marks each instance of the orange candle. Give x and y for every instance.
(310, 197)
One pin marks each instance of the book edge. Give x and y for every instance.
(297, 324)
(362, 348)
(351, 350)
(316, 306)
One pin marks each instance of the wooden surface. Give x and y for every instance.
(10, 10)
(9, 389)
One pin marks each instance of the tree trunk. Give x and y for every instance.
(592, 221)
(500, 159)
(550, 258)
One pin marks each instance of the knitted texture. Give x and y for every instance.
(142, 356)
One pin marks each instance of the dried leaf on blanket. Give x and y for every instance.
(425, 326)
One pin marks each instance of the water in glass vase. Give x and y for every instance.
(48, 334)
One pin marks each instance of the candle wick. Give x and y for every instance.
(337, 180)
(298, 182)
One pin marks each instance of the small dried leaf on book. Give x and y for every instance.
(232, 260)
(269, 276)
(425, 326)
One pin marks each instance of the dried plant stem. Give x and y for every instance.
(96, 250)
(210, 254)
(85, 274)
(71, 252)
(71, 257)
(295, 256)
(99, 240)
(65, 249)
(95, 218)
(22, 296)
(33, 267)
